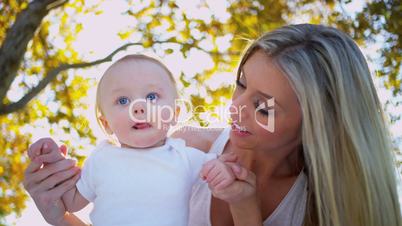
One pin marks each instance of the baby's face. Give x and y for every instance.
(137, 99)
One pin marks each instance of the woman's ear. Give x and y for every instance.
(105, 124)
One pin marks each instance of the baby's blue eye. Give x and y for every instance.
(152, 96)
(123, 100)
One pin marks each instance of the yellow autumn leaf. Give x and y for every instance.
(124, 35)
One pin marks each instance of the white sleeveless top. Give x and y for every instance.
(290, 212)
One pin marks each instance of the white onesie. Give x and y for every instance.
(143, 187)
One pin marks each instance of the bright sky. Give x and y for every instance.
(99, 38)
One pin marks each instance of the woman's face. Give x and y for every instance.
(265, 111)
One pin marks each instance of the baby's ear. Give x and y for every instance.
(105, 124)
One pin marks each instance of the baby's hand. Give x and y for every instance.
(242, 189)
(45, 150)
(218, 174)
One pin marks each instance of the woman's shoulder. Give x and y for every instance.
(198, 137)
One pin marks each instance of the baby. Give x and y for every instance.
(147, 179)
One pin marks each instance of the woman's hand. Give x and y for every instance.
(45, 150)
(217, 174)
(243, 187)
(46, 185)
(241, 195)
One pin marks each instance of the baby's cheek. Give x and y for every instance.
(166, 115)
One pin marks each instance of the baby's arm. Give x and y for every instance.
(217, 173)
(73, 200)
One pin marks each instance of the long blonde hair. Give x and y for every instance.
(346, 143)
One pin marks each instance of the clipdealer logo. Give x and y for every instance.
(141, 110)
(270, 124)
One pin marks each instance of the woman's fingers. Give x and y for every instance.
(32, 168)
(52, 169)
(242, 173)
(50, 201)
(59, 177)
(247, 176)
(229, 157)
(51, 157)
(54, 181)
(60, 189)
(28, 179)
(223, 184)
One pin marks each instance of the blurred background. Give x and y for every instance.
(54, 51)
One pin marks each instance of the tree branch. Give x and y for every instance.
(212, 53)
(56, 4)
(18, 36)
(50, 75)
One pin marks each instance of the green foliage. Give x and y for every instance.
(385, 18)
(41, 56)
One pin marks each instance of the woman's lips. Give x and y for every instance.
(141, 125)
(240, 131)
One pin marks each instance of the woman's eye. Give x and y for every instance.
(263, 111)
(239, 84)
(261, 108)
(123, 101)
(152, 97)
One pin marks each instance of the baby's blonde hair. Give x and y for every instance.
(346, 143)
(125, 59)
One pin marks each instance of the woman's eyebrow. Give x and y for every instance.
(269, 97)
(265, 95)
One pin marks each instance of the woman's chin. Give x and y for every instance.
(241, 140)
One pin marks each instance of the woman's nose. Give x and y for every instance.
(238, 109)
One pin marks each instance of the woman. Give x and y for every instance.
(327, 162)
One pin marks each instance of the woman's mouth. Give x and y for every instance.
(239, 130)
(141, 125)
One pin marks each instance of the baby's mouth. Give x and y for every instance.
(141, 125)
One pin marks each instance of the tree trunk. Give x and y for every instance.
(18, 36)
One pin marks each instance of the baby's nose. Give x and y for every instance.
(138, 109)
